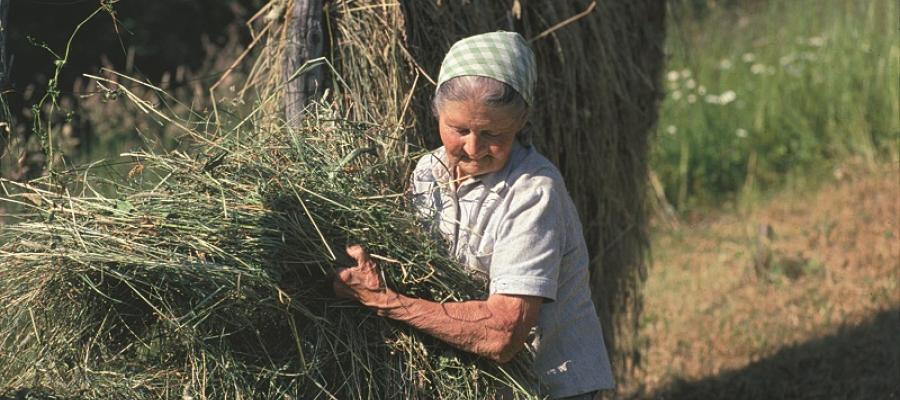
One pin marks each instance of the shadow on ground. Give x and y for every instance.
(857, 362)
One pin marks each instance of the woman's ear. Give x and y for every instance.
(525, 135)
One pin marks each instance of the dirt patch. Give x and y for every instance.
(734, 291)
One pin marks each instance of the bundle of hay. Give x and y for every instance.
(206, 274)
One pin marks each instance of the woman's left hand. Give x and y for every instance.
(361, 282)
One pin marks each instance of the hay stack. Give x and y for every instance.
(597, 100)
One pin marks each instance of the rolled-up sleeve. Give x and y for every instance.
(528, 248)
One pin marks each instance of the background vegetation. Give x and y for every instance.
(766, 93)
(778, 140)
(182, 47)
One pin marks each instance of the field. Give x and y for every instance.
(798, 299)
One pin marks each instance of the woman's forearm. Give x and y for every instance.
(495, 328)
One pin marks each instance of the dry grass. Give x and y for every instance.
(809, 310)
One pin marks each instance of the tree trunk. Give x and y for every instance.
(304, 43)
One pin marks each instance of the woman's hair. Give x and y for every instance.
(485, 90)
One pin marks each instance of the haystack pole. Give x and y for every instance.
(304, 42)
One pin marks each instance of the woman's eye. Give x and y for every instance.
(461, 131)
(492, 135)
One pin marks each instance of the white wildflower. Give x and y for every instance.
(727, 97)
(685, 73)
(691, 99)
(725, 64)
(757, 68)
(690, 84)
(671, 129)
(810, 56)
(672, 76)
(701, 90)
(816, 41)
(741, 133)
(676, 95)
(712, 99)
(748, 57)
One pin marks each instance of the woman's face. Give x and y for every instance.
(478, 138)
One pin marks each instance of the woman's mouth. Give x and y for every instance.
(470, 160)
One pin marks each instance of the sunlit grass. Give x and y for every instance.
(757, 97)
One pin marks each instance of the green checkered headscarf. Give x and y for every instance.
(504, 56)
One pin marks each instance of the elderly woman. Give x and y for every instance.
(504, 212)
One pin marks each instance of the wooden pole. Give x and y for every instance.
(304, 42)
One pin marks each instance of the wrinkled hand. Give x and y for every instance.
(361, 282)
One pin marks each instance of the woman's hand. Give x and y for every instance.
(363, 281)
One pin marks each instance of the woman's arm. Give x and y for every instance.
(495, 328)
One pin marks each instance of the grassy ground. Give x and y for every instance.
(799, 298)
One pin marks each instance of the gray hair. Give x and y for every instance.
(487, 91)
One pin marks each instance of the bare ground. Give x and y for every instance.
(799, 298)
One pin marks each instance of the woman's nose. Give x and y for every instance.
(473, 145)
